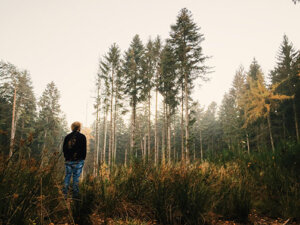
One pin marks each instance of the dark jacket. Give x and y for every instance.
(74, 147)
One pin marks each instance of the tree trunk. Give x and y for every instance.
(105, 133)
(212, 144)
(155, 128)
(13, 126)
(96, 160)
(283, 127)
(132, 141)
(96, 146)
(201, 146)
(194, 152)
(145, 148)
(43, 149)
(174, 143)
(270, 132)
(169, 134)
(114, 129)
(45, 136)
(186, 118)
(296, 120)
(182, 129)
(149, 126)
(257, 138)
(158, 152)
(125, 158)
(98, 137)
(142, 149)
(115, 151)
(110, 147)
(163, 135)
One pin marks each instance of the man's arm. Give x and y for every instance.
(84, 147)
(65, 147)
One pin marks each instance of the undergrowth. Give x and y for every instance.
(229, 186)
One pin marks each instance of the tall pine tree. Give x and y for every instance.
(286, 73)
(133, 78)
(51, 124)
(186, 42)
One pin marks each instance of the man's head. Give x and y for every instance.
(76, 126)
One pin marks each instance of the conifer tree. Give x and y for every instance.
(210, 127)
(118, 104)
(26, 104)
(50, 120)
(133, 78)
(198, 127)
(254, 70)
(231, 112)
(186, 43)
(5, 108)
(169, 90)
(9, 84)
(286, 74)
(97, 107)
(106, 93)
(253, 130)
(228, 116)
(17, 104)
(110, 68)
(157, 52)
(150, 67)
(261, 101)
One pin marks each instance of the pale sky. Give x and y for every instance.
(62, 40)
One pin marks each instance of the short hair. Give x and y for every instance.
(76, 126)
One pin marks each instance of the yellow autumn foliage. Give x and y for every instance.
(258, 100)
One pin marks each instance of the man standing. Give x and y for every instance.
(74, 149)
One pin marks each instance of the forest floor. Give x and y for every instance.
(212, 219)
(254, 219)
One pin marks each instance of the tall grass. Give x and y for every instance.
(228, 186)
(169, 194)
(272, 179)
(30, 192)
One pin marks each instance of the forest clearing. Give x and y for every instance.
(155, 154)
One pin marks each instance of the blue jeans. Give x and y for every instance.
(75, 168)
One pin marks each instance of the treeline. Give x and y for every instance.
(144, 108)
(28, 127)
